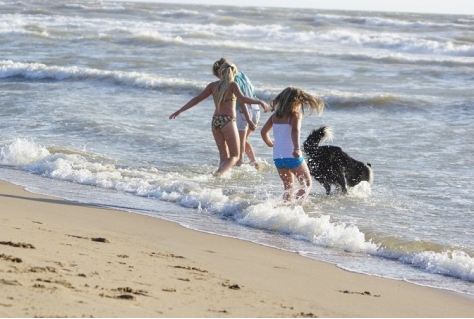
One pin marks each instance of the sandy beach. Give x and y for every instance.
(66, 259)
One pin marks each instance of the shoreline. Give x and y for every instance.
(65, 259)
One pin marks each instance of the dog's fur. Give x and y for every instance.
(331, 165)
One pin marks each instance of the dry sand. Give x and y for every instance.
(65, 259)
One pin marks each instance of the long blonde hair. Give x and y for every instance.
(227, 71)
(288, 101)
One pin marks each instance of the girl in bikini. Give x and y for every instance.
(224, 128)
(286, 124)
(248, 115)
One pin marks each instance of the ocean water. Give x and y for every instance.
(86, 89)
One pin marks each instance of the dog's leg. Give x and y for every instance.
(343, 186)
(342, 181)
(327, 186)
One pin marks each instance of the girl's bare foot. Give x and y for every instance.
(301, 196)
(256, 165)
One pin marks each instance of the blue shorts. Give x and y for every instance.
(289, 163)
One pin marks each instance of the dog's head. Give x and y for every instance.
(358, 173)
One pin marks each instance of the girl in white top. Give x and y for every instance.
(286, 124)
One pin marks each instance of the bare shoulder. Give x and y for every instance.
(233, 85)
(295, 119)
(212, 85)
(279, 119)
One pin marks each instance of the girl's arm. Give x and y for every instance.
(295, 134)
(265, 132)
(194, 101)
(245, 99)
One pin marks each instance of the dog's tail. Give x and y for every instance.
(328, 134)
(324, 133)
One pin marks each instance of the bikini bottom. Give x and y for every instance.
(219, 121)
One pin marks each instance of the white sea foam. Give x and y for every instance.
(22, 152)
(414, 21)
(397, 41)
(39, 71)
(273, 35)
(450, 263)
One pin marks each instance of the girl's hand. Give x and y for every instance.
(296, 153)
(252, 126)
(265, 106)
(174, 115)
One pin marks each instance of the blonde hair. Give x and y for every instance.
(227, 71)
(287, 103)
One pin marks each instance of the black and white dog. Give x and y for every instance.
(331, 165)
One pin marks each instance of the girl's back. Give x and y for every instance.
(227, 106)
(283, 144)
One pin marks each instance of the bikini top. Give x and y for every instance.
(233, 98)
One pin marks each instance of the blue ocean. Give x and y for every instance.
(87, 87)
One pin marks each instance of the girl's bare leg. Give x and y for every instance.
(304, 178)
(249, 151)
(221, 146)
(230, 135)
(287, 178)
(246, 149)
(243, 141)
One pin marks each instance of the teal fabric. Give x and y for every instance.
(245, 86)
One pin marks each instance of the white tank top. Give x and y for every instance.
(282, 144)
